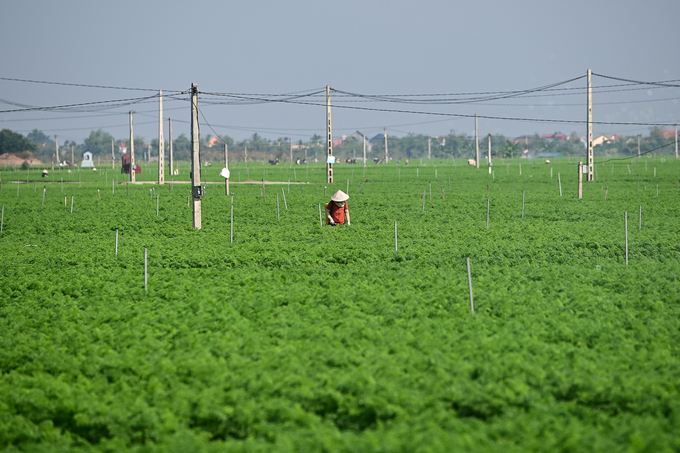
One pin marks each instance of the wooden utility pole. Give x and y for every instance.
(676, 150)
(489, 153)
(329, 138)
(172, 163)
(132, 151)
(226, 165)
(386, 155)
(429, 147)
(196, 190)
(476, 143)
(589, 131)
(161, 141)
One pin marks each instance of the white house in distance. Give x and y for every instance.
(87, 160)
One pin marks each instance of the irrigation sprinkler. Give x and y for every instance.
(472, 302)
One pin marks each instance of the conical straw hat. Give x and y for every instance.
(339, 196)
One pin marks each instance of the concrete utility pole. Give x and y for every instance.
(386, 155)
(676, 150)
(489, 153)
(429, 148)
(172, 168)
(161, 141)
(329, 137)
(132, 151)
(196, 190)
(291, 152)
(113, 156)
(476, 143)
(589, 131)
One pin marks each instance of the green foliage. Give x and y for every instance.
(99, 143)
(298, 338)
(12, 142)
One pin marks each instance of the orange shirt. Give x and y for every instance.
(337, 212)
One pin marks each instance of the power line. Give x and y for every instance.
(641, 154)
(84, 85)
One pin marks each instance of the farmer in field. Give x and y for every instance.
(337, 210)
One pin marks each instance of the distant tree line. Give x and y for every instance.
(411, 146)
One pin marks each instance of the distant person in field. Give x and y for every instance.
(337, 210)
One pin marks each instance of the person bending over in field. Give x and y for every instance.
(337, 210)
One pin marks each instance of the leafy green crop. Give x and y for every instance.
(301, 338)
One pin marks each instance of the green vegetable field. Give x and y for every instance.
(301, 338)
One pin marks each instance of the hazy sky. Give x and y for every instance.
(366, 47)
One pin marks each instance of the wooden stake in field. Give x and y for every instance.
(423, 200)
(472, 302)
(2, 218)
(64, 200)
(45, 191)
(606, 193)
(522, 204)
(395, 235)
(278, 212)
(116, 254)
(71, 204)
(320, 218)
(520, 169)
(626, 226)
(580, 180)
(657, 191)
(232, 222)
(158, 202)
(284, 198)
(487, 213)
(640, 219)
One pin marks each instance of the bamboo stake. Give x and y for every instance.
(284, 198)
(626, 223)
(472, 302)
